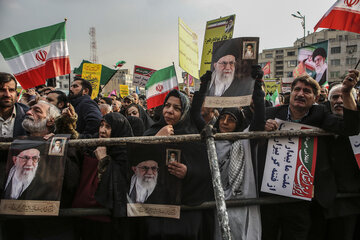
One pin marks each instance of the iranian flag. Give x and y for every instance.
(37, 55)
(159, 85)
(343, 15)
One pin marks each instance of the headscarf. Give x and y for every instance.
(137, 125)
(184, 125)
(142, 115)
(235, 113)
(111, 191)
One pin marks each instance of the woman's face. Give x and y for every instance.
(172, 110)
(227, 123)
(133, 111)
(104, 130)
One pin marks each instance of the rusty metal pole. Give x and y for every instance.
(216, 181)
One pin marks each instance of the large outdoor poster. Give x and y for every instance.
(142, 75)
(290, 164)
(312, 60)
(216, 30)
(34, 177)
(231, 83)
(188, 50)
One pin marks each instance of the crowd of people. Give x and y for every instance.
(97, 177)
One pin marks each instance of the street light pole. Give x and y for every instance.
(299, 15)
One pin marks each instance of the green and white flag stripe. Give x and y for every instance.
(29, 41)
(37, 55)
(159, 84)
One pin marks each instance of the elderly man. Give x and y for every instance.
(319, 58)
(294, 220)
(89, 115)
(116, 106)
(11, 113)
(225, 79)
(143, 182)
(40, 122)
(249, 51)
(22, 174)
(339, 220)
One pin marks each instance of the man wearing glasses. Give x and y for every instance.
(143, 182)
(22, 174)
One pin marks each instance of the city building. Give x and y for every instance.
(343, 54)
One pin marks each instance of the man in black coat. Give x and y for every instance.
(89, 115)
(294, 220)
(338, 221)
(11, 113)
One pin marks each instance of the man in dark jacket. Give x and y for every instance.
(338, 221)
(294, 220)
(89, 115)
(11, 113)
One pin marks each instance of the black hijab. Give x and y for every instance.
(137, 125)
(111, 191)
(142, 115)
(235, 113)
(184, 125)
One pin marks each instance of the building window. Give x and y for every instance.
(335, 50)
(351, 61)
(335, 62)
(268, 55)
(340, 37)
(292, 53)
(279, 51)
(289, 74)
(351, 49)
(292, 63)
(279, 57)
(279, 73)
(279, 62)
(279, 67)
(334, 74)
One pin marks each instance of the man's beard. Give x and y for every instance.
(145, 185)
(320, 69)
(21, 180)
(73, 96)
(222, 81)
(32, 126)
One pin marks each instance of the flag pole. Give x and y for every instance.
(357, 64)
(175, 72)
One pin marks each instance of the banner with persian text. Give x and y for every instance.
(92, 73)
(188, 50)
(290, 164)
(216, 30)
(142, 75)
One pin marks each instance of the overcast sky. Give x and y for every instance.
(145, 32)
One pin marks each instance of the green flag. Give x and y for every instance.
(106, 73)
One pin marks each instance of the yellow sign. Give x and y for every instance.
(92, 73)
(216, 30)
(124, 90)
(188, 50)
(271, 85)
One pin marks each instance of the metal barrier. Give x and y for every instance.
(209, 138)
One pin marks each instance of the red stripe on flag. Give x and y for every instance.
(37, 76)
(340, 20)
(157, 100)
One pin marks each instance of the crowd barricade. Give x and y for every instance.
(208, 137)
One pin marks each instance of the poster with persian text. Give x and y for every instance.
(34, 177)
(141, 75)
(216, 30)
(290, 164)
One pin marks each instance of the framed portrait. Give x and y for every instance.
(57, 146)
(249, 50)
(172, 155)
